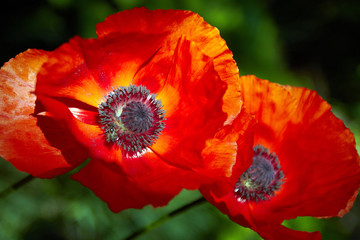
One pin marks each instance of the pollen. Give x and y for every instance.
(132, 118)
(262, 179)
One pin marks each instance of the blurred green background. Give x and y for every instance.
(304, 43)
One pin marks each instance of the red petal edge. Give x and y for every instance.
(115, 188)
(22, 142)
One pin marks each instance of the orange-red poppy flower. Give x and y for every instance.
(304, 163)
(148, 101)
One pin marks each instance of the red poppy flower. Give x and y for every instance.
(304, 164)
(148, 101)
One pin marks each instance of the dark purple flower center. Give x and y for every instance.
(137, 117)
(260, 181)
(131, 118)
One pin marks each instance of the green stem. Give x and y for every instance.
(16, 185)
(164, 218)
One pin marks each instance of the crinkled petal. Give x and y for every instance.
(152, 182)
(271, 106)
(117, 189)
(90, 136)
(153, 173)
(87, 70)
(174, 24)
(192, 98)
(66, 74)
(22, 142)
(231, 149)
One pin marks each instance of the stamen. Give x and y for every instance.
(137, 117)
(262, 179)
(132, 118)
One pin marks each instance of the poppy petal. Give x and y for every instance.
(154, 183)
(90, 136)
(192, 100)
(277, 231)
(271, 106)
(116, 189)
(22, 141)
(66, 74)
(174, 24)
(232, 147)
(87, 69)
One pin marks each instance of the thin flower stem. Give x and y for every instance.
(164, 218)
(16, 185)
